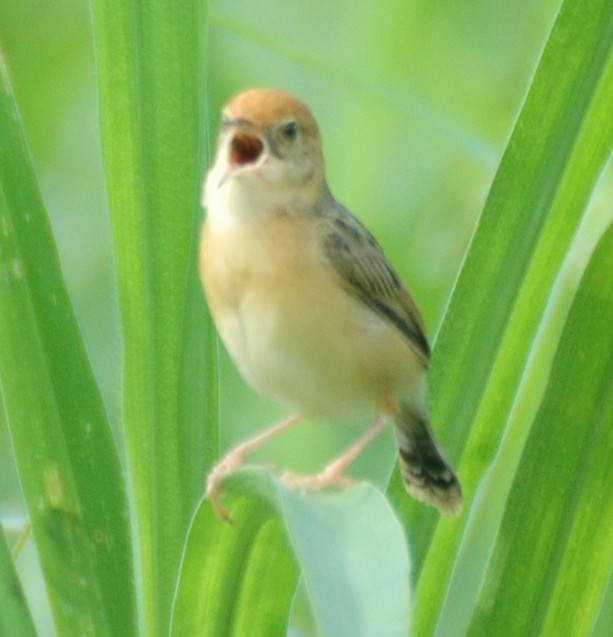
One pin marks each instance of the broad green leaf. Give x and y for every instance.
(349, 546)
(557, 151)
(15, 618)
(67, 462)
(151, 85)
(553, 574)
(236, 579)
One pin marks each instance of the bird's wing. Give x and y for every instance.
(364, 271)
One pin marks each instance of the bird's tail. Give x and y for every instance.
(427, 474)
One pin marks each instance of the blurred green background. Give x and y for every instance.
(415, 101)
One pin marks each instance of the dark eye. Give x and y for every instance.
(289, 131)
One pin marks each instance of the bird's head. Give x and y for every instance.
(269, 145)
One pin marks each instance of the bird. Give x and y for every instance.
(306, 302)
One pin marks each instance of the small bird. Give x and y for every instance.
(307, 304)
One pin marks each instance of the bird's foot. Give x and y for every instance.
(330, 476)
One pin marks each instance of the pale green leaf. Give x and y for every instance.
(350, 548)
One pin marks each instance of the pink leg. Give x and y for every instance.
(332, 473)
(235, 458)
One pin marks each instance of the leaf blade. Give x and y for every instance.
(545, 565)
(66, 458)
(15, 617)
(151, 82)
(498, 317)
(349, 545)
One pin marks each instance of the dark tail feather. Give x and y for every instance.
(427, 474)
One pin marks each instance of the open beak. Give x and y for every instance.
(244, 150)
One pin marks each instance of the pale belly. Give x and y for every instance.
(294, 333)
(320, 351)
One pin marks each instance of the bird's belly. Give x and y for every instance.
(294, 332)
(320, 351)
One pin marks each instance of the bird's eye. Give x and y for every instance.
(289, 131)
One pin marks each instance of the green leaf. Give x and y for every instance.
(555, 572)
(151, 85)
(349, 545)
(504, 310)
(503, 322)
(67, 462)
(15, 618)
(236, 579)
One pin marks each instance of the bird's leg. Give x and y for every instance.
(235, 459)
(333, 473)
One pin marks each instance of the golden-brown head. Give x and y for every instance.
(269, 143)
(265, 108)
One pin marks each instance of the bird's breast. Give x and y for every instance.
(250, 272)
(291, 329)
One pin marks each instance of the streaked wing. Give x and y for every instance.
(365, 272)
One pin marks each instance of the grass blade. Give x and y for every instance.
(236, 580)
(67, 462)
(151, 83)
(555, 572)
(15, 618)
(553, 160)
